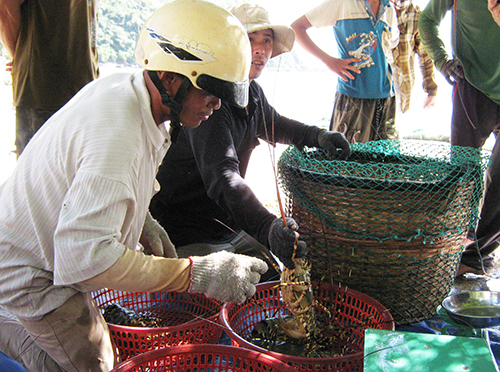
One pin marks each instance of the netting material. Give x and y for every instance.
(388, 189)
(391, 221)
(409, 278)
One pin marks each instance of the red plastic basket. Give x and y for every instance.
(194, 319)
(354, 310)
(198, 358)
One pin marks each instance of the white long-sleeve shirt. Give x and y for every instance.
(78, 195)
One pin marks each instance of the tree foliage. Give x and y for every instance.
(121, 20)
(119, 24)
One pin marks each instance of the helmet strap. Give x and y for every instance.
(174, 104)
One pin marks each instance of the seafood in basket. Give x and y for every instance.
(335, 344)
(116, 314)
(307, 319)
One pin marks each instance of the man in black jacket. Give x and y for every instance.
(204, 203)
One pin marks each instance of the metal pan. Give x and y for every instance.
(477, 309)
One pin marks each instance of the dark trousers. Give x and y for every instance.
(475, 117)
(28, 121)
(363, 120)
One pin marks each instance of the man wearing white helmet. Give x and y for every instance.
(76, 206)
(204, 202)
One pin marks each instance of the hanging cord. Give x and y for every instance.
(271, 144)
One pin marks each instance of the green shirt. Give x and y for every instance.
(56, 52)
(475, 41)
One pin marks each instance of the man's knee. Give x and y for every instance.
(75, 335)
(16, 342)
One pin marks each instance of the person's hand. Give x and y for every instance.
(155, 239)
(284, 243)
(430, 101)
(225, 276)
(343, 67)
(494, 8)
(335, 143)
(8, 66)
(452, 71)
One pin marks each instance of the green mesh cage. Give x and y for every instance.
(391, 221)
(388, 189)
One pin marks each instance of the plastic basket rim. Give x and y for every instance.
(179, 327)
(203, 348)
(224, 315)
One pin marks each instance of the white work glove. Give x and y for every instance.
(155, 239)
(225, 276)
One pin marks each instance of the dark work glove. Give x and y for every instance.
(452, 71)
(335, 143)
(282, 241)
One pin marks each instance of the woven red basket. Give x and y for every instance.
(354, 310)
(191, 358)
(193, 319)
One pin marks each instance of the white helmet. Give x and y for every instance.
(202, 42)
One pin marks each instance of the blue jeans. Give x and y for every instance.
(7, 364)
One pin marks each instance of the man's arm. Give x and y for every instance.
(428, 26)
(427, 69)
(136, 272)
(10, 23)
(218, 162)
(286, 131)
(341, 67)
(289, 131)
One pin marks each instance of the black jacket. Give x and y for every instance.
(201, 176)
